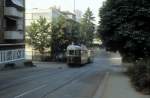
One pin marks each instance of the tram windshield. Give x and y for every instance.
(75, 52)
(71, 52)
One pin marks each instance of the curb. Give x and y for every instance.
(100, 91)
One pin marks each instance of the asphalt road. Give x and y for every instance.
(53, 82)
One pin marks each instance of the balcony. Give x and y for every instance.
(19, 4)
(14, 35)
(20, 27)
(13, 12)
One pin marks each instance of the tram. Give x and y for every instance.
(78, 55)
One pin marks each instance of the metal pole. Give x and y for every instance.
(74, 6)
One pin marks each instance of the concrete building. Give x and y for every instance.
(12, 30)
(50, 14)
(69, 15)
(78, 14)
(34, 14)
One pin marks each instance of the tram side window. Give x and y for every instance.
(84, 52)
(71, 52)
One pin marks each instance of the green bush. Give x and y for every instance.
(140, 76)
(46, 58)
(10, 65)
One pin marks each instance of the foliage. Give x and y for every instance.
(124, 27)
(39, 35)
(87, 27)
(73, 31)
(140, 76)
(64, 32)
(10, 65)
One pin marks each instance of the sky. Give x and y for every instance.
(68, 5)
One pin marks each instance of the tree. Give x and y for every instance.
(73, 31)
(124, 27)
(87, 27)
(64, 32)
(57, 36)
(39, 35)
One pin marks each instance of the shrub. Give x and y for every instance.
(46, 59)
(140, 76)
(9, 65)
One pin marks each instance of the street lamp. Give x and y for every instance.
(74, 5)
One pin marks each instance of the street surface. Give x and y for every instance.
(56, 82)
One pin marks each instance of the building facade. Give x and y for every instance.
(50, 14)
(34, 14)
(78, 14)
(69, 15)
(12, 30)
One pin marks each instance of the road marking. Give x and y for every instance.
(30, 91)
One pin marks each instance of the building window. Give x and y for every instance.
(11, 25)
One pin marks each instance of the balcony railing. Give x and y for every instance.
(7, 56)
(19, 4)
(14, 35)
(12, 11)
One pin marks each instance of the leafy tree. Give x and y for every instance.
(87, 27)
(39, 35)
(124, 27)
(64, 32)
(73, 31)
(57, 36)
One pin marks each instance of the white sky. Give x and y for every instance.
(67, 5)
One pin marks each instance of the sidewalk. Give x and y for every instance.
(118, 86)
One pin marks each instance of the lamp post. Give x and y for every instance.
(74, 5)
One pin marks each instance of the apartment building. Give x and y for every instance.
(12, 29)
(78, 14)
(35, 13)
(69, 15)
(50, 14)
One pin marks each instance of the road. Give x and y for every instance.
(53, 82)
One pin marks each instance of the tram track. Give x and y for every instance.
(67, 83)
(69, 76)
(29, 79)
(44, 79)
(71, 81)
